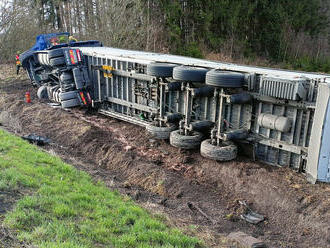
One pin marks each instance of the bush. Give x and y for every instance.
(191, 50)
(306, 63)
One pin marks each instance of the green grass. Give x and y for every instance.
(66, 209)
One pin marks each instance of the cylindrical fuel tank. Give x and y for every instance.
(275, 122)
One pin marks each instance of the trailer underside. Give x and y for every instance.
(124, 90)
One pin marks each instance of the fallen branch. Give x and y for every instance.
(192, 206)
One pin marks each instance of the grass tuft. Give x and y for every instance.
(66, 209)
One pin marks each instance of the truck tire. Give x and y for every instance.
(70, 103)
(49, 93)
(185, 141)
(160, 69)
(162, 133)
(40, 57)
(224, 79)
(57, 93)
(226, 151)
(44, 59)
(42, 92)
(187, 73)
(50, 90)
(55, 62)
(54, 96)
(55, 53)
(54, 92)
(64, 96)
(53, 88)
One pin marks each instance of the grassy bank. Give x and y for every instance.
(65, 208)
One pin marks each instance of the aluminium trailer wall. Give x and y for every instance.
(131, 95)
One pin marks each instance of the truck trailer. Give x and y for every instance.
(279, 117)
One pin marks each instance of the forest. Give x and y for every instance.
(292, 34)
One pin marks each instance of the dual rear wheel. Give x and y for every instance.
(67, 99)
(225, 151)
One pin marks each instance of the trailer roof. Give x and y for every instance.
(149, 57)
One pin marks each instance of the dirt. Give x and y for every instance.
(168, 180)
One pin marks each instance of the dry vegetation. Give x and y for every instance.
(291, 34)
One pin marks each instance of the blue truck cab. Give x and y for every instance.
(56, 66)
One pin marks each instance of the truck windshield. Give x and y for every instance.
(57, 39)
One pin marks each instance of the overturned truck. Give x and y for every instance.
(279, 117)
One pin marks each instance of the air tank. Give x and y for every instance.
(275, 122)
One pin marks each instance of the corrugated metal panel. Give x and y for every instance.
(282, 88)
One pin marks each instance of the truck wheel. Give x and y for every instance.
(55, 53)
(52, 89)
(57, 93)
(54, 96)
(70, 103)
(41, 58)
(187, 73)
(160, 69)
(226, 151)
(224, 79)
(42, 92)
(57, 61)
(185, 141)
(162, 133)
(44, 59)
(68, 95)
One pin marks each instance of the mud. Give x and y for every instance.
(165, 179)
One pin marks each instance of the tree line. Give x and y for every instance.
(292, 31)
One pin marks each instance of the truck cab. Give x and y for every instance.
(55, 65)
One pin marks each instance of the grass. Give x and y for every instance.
(67, 209)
